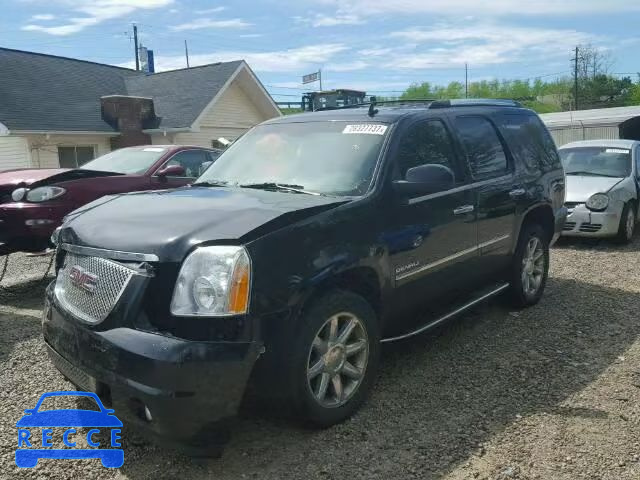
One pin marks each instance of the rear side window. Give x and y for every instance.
(482, 145)
(529, 142)
(426, 143)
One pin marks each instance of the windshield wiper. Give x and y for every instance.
(594, 174)
(279, 186)
(212, 183)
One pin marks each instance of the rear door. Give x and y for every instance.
(492, 171)
(431, 238)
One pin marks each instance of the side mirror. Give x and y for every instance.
(424, 180)
(172, 171)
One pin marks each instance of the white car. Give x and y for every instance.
(602, 188)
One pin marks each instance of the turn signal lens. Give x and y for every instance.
(239, 292)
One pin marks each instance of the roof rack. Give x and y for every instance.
(431, 103)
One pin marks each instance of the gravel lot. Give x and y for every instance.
(550, 393)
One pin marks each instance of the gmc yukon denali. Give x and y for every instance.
(301, 250)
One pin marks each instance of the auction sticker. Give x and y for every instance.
(366, 128)
(617, 150)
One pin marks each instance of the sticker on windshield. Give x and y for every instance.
(366, 128)
(617, 150)
(153, 149)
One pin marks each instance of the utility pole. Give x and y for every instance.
(135, 43)
(575, 75)
(466, 80)
(320, 77)
(186, 52)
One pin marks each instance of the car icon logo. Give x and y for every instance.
(32, 447)
(87, 281)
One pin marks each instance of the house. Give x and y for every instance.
(602, 123)
(57, 111)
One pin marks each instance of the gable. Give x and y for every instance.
(233, 109)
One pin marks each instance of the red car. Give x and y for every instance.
(33, 202)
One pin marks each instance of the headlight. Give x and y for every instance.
(42, 194)
(213, 281)
(18, 194)
(598, 202)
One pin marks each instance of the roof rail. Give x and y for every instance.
(475, 102)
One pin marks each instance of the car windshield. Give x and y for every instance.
(597, 161)
(332, 158)
(132, 161)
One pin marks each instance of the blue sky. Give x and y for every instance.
(378, 46)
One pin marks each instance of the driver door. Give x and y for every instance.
(193, 162)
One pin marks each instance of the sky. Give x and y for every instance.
(378, 46)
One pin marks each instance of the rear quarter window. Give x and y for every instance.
(529, 142)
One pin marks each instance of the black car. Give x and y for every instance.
(304, 247)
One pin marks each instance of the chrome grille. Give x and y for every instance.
(93, 301)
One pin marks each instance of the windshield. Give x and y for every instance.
(127, 160)
(333, 158)
(597, 161)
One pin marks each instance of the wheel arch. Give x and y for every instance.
(541, 214)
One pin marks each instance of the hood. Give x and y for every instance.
(26, 177)
(169, 223)
(580, 188)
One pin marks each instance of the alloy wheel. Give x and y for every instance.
(533, 265)
(337, 360)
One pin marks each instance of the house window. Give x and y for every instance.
(73, 157)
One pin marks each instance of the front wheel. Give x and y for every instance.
(627, 224)
(530, 266)
(334, 359)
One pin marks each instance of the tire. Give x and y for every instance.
(527, 291)
(627, 224)
(325, 319)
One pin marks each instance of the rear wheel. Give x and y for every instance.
(530, 266)
(334, 358)
(627, 224)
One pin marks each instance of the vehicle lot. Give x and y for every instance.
(551, 392)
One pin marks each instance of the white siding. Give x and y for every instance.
(13, 153)
(44, 151)
(233, 114)
(565, 135)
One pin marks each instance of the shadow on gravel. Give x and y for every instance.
(15, 329)
(596, 244)
(28, 295)
(438, 396)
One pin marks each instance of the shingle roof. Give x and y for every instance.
(49, 93)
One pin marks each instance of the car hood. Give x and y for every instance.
(169, 223)
(579, 188)
(46, 176)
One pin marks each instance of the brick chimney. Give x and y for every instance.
(129, 115)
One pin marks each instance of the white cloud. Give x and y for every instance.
(86, 14)
(294, 60)
(208, 11)
(321, 20)
(483, 44)
(375, 52)
(487, 8)
(251, 35)
(347, 66)
(43, 17)
(209, 23)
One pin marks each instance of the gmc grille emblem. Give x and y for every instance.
(83, 279)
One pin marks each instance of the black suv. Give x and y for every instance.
(296, 255)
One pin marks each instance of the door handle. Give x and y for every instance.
(517, 192)
(463, 209)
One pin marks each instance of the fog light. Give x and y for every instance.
(147, 414)
(34, 223)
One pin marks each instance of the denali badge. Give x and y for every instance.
(83, 279)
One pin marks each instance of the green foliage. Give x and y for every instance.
(290, 111)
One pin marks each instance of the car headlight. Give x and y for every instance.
(42, 194)
(213, 281)
(18, 194)
(598, 202)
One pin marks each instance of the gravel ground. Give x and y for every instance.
(551, 392)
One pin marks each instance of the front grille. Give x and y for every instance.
(571, 205)
(568, 226)
(93, 300)
(590, 227)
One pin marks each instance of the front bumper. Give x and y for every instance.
(28, 226)
(582, 222)
(188, 387)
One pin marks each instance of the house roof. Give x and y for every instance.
(40, 92)
(600, 116)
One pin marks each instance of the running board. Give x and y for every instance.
(449, 315)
